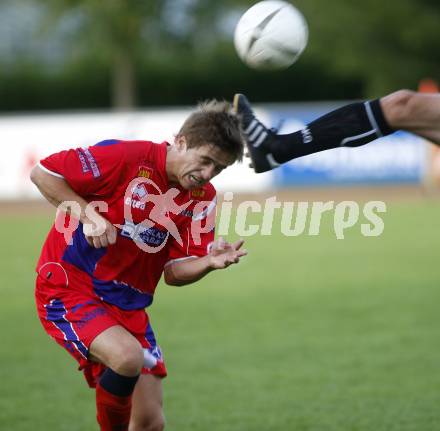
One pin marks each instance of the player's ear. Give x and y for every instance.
(180, 143)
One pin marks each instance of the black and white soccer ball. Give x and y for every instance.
(271, 35)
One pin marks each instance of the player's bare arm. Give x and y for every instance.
(221, 255)
(99, 232)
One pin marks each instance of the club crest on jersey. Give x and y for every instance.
(137, 197)
(145, 172)
(197, 193)
(139, 191)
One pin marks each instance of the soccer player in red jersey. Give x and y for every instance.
(140, 210)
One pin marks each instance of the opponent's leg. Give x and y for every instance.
(414, 112)
(123, 356)
(146, 413)
(352, 125)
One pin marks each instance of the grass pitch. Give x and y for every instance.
(308, 333)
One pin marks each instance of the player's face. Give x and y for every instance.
(197, 166)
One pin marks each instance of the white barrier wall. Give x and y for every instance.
(27, 139)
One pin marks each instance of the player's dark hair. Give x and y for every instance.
(215, 124)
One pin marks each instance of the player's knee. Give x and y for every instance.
(148, 422)
(128, 361)
(399, 108)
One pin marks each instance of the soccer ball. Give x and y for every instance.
(271, 35)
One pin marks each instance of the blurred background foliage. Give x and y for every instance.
(76, 54)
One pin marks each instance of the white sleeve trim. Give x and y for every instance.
(206, 211)
(49, 172)
(180, 259)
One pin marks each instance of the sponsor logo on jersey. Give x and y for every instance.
(133, 203)
(151, 236)
(198, 193)
(92, 163)
(145, 172)
(82, 160)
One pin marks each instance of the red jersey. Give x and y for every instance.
(126, 273)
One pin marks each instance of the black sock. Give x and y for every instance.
(117, 384)
(350, 126)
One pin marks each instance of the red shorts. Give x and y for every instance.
(73, 315)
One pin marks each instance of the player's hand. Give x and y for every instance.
(223, 254)
(99, 232)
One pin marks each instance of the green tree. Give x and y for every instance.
(153, 52)
(389, 44)
(111, 30)
(124, 32)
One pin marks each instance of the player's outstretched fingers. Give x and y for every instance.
(237, 245)
(240, 254)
